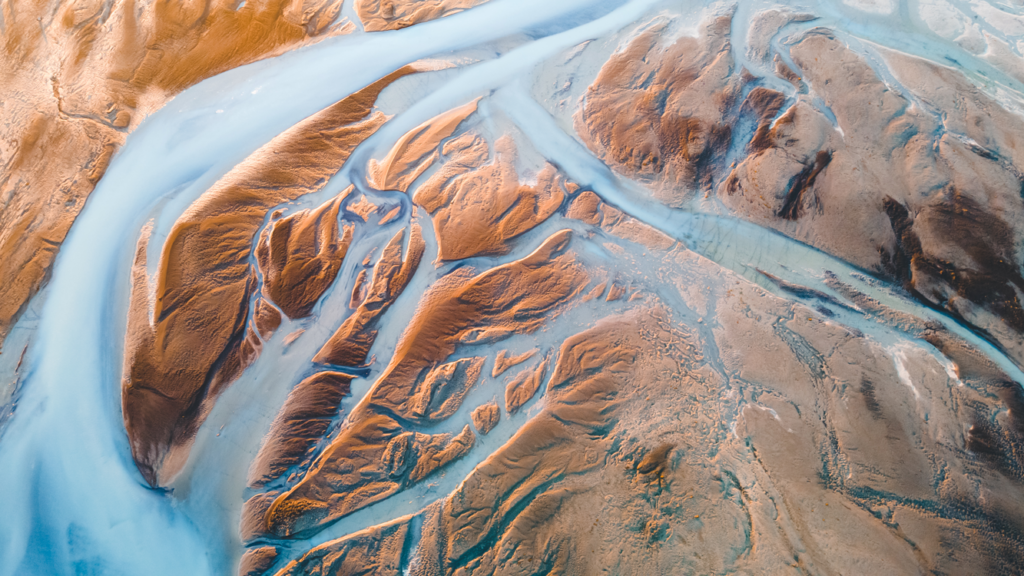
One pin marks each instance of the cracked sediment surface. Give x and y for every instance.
(492, 288)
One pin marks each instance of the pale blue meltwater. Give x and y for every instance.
(71, 499)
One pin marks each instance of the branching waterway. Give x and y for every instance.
(72, 499)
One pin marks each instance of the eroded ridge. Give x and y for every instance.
(419, 388)
(660, 113)
(727, 431)
(477, 206)
(684, 446)
(902, 182)
(190, 332)
(299, 256)
(416, 151)
(77, 77)
(350, 344)
(520, 486)
(876, 162)
(776, 327)
(304, 419)
(378, 15)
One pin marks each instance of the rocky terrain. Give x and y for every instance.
(484, 288)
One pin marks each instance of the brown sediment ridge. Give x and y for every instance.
(417, 387)
(303, 420)
(440, 393)
(479, 207)
(485, 417)
(362, 208)
(563, 441)
(661, 114)
(1005, 447)
(187, 335)
(764, 437)
(503, 361)
(299, 256)
(588, 207)
(926, 199)
(378, 15)
(658, 452)
(510, 299)
(257, 561)
(416, 150)
(350, 344)
(372, 458)
(390, 215)
(358, 290)
(765, 105)
(918, 182)
(517, 495)
(376, 551)
(641, 452)
(75, 78)
(522, 387)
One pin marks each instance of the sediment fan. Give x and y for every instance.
(478, 287)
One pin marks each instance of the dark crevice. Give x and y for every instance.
(792, 206)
